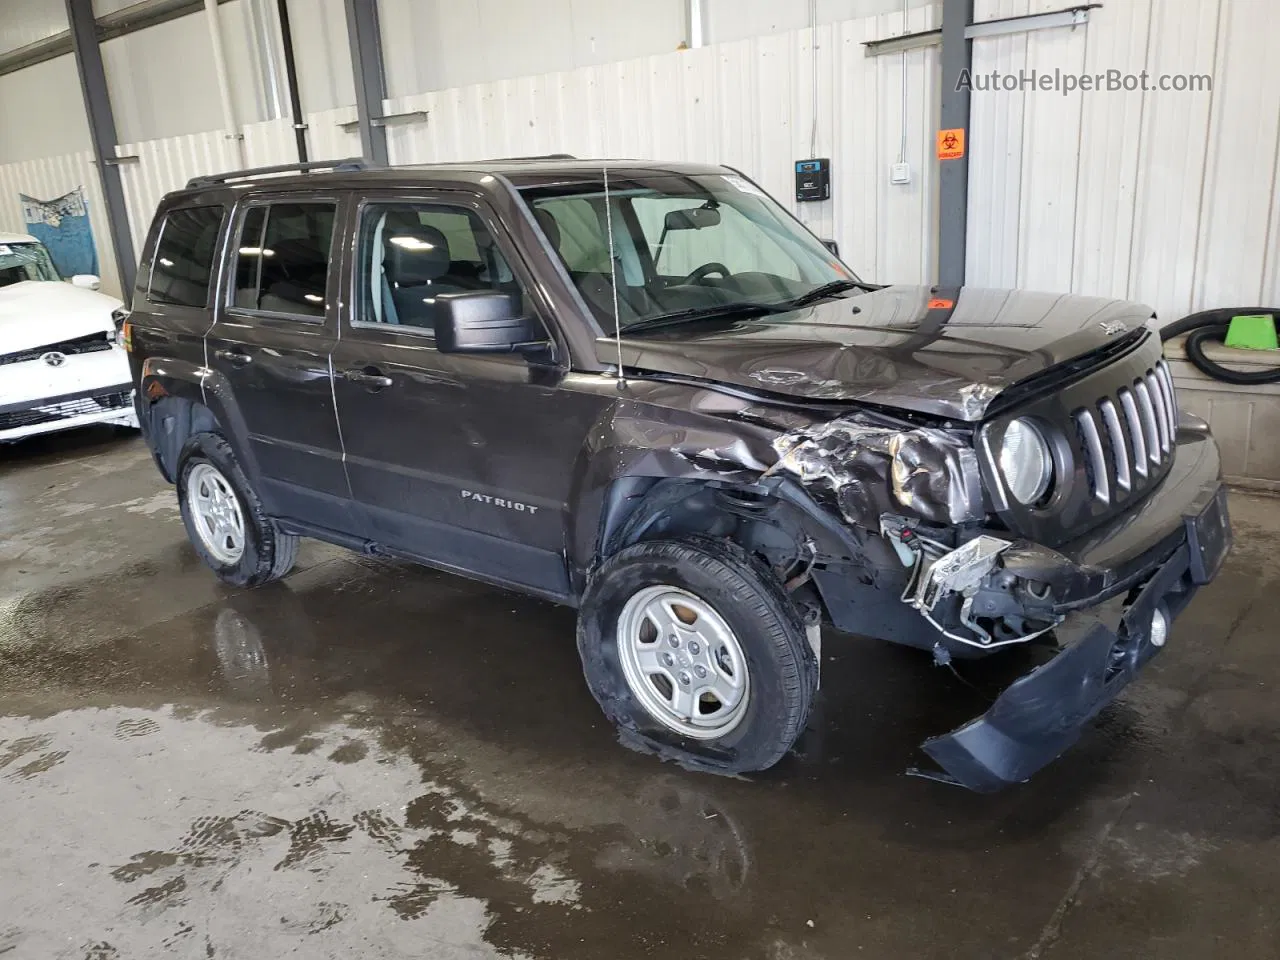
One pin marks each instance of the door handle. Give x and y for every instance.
(237, 358)
(370, 377)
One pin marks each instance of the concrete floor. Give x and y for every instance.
(374, 760)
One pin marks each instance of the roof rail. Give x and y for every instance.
(348, 164)
(468, 163)
(543, 156)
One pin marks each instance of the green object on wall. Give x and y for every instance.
(1252, 333)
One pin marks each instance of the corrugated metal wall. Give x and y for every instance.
(749, 104)
(165, 165)
(1164, 197)
(1160, 196)
(52, 177)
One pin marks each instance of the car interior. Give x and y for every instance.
(180, 273)
(283, 261)
(415, 253)
(651, 270)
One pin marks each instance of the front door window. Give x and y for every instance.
(412, 253)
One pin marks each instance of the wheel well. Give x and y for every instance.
(171, 422)
(640, 509)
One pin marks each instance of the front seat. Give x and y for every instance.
(549, 226)
(414, 260)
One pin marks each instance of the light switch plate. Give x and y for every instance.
(900, 173)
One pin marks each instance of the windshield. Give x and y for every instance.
(683, 246)
(25, 261)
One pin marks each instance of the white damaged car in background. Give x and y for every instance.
(60, 364)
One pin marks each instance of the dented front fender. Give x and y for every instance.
(874, 469)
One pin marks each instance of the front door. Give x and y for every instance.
(270, 347)
(463, 460)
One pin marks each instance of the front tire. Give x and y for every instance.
(696, 654)
(224, 517)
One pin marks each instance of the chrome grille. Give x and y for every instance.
(1140, 426)
(93, 343)
(1119, 449)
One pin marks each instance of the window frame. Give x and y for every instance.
(215, 264)
(241, 214)
(465, 200)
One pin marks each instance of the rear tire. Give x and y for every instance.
(233, 536)
(758, 633)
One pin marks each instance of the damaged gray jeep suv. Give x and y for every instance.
(647, 391)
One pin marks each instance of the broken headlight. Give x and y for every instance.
(1026, 462)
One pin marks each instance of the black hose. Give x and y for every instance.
(1212, 325)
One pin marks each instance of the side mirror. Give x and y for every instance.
(484, 321)
(832, 246)
(87, 281)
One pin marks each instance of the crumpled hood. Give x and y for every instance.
(931, 350)
(35, 313)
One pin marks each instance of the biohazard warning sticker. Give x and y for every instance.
(951, 144)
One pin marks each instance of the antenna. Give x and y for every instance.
(613, 278)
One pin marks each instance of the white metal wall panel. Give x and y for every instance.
(323, 52)
(1271, 272)
(1050, 152)
(1110, 141)
(729, 20)
(437, 44)
(1175, 134)
(748, 104)
(326, 137)
(52, 177)
(907, 214)
(1231, 253)
(162, 80)
(1159, 196)
(30, 21)
(995, 155)
(42, 111)
(270, 142)
(165, 165)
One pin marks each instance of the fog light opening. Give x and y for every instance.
(1159, 627)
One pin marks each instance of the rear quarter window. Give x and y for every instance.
(183, 263)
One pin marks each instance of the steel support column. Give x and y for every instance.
(291, 75)
(371, 79)
(102, 130)
(953, 181)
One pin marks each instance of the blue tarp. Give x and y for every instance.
(62, 225)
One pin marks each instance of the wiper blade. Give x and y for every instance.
(830, 290)
(745, 309)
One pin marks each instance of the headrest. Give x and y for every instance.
(549, 226)
(414, 254)
(400, 221)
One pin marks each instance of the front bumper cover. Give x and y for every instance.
(1043, 713)
(112, 404)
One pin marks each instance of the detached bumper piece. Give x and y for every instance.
(1042, 714)
(968, 594)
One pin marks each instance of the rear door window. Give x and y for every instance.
(183, 262)
(282, 258)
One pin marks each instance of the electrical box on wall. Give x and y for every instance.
(813, 179)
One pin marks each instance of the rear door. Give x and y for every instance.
(465, 460)
(270, 346)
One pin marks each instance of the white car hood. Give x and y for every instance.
(37, 313)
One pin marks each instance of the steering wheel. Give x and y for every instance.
(705, 271)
